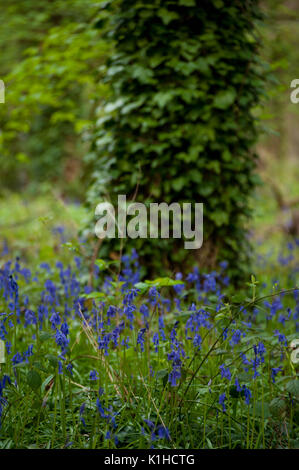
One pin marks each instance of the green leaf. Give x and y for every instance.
(260, 409)
(72, 246)
(39, 366)
(163, 375)
(34, 379)
(94, 295)
(224, 99)
(52, 360)
(142, 286)
(219, 218)
(167, 16)
(45, 336)
(164, 282)
(102, 264)
(202, 65)
(187, 3)
(47, 382)
(178, 183)
(293, 387)
(277, 406)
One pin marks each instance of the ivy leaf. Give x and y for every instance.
(219, 218)
(167, 16)
(224, 99)
(187, 3)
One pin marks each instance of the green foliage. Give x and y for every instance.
(181, 123)
(280, 39)
(52, 401)
(52, 83)
(41, 407)
(34, 379)
(293, 387)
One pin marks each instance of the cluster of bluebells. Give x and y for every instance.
(244, 390)
(172, 328)
(155, 431)
(176, 356)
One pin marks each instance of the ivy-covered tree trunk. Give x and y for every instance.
(180, 124)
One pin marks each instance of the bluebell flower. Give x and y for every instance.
(17, 359)
(223, 264)
(30, 318)
(236, 337)
(174, 376)
(141, 339)
(93, 375)
(65, 329)
(225, 372)
(259, 351)
(197, 341)
(144, 310)
(5, 250)
(28, 353)
(156, 341)
(78, 262)
(163, 433)
(179, 288)
(111, 312)
(222, 399)
(150, 424)
(125, 342)
(237, 385)
(274, 372)
(209, 284)
(55, 320)
(62, 341)
(247, 394)
(281, 338)
(100, 409)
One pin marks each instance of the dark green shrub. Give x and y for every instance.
(180, 125)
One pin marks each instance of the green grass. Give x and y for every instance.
(42, 408)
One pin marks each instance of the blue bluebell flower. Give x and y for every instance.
(93, 375)
(225, 372)
(222, 399)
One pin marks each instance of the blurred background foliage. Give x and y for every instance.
(51, 57)
(52, 60)
(276, 201)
